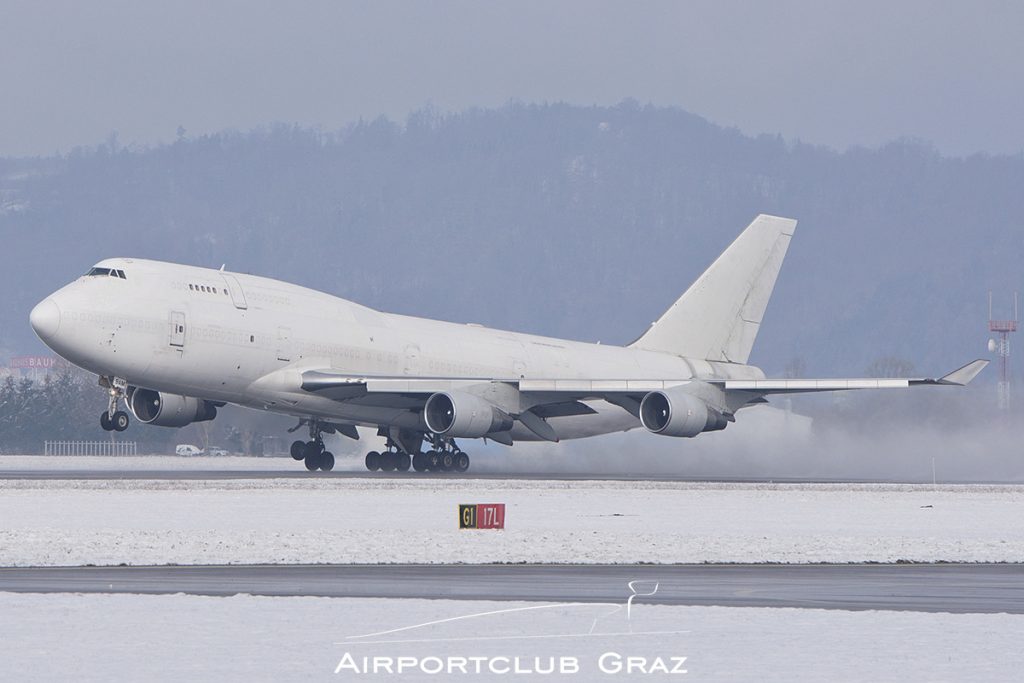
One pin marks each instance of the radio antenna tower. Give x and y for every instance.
(1002, 346)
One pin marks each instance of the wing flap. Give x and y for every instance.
(598, 386)
(538, 426)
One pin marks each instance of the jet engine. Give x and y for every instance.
(675, 412)
(169, 410)
(458, 414)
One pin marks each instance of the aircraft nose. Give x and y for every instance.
(45, 319)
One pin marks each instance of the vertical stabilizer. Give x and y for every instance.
(720, 314)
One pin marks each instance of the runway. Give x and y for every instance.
(959, 588)
(300, 473)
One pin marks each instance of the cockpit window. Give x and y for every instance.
(109, 272)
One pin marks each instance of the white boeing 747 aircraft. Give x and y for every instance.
(176, 342)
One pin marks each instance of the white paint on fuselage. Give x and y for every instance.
(253, 356)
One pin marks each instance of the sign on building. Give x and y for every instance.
(35, 362)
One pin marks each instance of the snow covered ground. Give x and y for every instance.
(318, 520)
(148, 463)
(139, 637)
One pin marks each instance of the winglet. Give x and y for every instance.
(964, 375)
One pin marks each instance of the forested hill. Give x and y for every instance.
(582, 222)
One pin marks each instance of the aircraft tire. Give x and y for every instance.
(313, 461)
(327, 461)
(105, 422)
(373, 461)
(120, 421)
(433, 461)
(298, 450)
(447, 461)
(387, 461)
(461, 462)
(402, 462)
(419, 462)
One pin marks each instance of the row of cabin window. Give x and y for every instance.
(205, 288)
(110, 272)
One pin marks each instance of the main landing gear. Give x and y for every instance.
(390, 460)
(112, 419)
(444, 456)
(313, 452)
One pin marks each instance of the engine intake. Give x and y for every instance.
(674, 412)
(459, 414)
(169, 410)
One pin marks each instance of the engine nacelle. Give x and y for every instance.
(674, 412)
(169, 410)
(459, 414)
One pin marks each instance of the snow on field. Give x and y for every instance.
(180, 637)
(318, 520)
(146, 463)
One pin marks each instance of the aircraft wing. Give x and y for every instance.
(354, 386)
(546, 398)
(960, 377)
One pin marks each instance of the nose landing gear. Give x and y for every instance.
(112, 419)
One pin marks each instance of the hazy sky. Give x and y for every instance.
(837, 73)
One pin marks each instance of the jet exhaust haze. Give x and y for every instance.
(962, 437)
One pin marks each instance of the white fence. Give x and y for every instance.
(89, 448)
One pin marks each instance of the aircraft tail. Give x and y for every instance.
(720, 314)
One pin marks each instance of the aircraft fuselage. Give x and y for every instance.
(243, 339)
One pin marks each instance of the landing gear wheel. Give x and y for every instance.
(402, 462)
(447, 461)
(461, 462)
(327, 461)
(315, 447)
(433, 461)
(120, 421)
(373, 461)
(313, 458)
(419, 462)
(387, 461)
(298, 450)
(105, 422)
